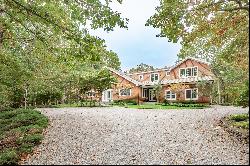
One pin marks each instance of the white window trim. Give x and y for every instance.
(170, 95)
(167, 73)
(154, 77)
(91, 93)
(141, 75)
(130, 91)
(186, 72)
(197, 95)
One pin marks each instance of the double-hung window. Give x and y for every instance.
(169, 95)
(189, 72)
(191, 94)
(125, 92)
(154, 77)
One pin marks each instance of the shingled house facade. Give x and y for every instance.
(178, 83)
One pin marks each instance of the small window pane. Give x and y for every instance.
(173, 95)
(194, 94)
(188, 72)
(195, 71)
(156, 77)
(188, 94)
(183, 72)
(152, 77)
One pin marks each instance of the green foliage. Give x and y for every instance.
(124, 102)
(47, 55)
(20, 131)
(8, 157)
(242, 124)
(141, 68)
(239, 117)
(240, 120)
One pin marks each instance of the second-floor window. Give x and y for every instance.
(140, 77)
(154, 77)
(125, 92)
(189, 72)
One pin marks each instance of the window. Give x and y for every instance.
(140, 77)
(91, 94)
(189, 72)
(191, 94)
(168, 73)
(125, 92)
(154, 77)
(170, 95)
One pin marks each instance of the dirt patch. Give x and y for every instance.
(236, 133)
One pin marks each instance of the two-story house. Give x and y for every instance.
(178, 83)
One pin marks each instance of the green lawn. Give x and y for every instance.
(152, 106)
(20, 131)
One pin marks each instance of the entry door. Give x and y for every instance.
(107, 95)
(151, 95)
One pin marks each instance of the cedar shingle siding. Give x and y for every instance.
(167, 77)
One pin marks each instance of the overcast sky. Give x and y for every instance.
(139, 43)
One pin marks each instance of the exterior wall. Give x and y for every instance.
(180, 96)
(147, 76)
(136, 95)
(123, 83)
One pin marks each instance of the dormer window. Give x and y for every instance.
(140, 77)
(154, 77)
(167, 73)
(189, 72)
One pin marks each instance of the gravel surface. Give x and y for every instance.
(130, 136)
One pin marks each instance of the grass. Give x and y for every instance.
(20, 131)
(240, 120)
(152, 106)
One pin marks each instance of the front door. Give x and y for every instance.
(151, 95)
(107, 95)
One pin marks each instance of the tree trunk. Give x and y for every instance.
(25, 98)
(219, 93)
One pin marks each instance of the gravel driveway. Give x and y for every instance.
(130, 136)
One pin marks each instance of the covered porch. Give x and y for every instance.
(148, 94)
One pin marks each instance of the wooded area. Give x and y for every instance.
(216, 31)
(47, 54)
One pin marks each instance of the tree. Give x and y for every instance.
(216, 31)
(46, 50)
(158, 91)
(141, 68)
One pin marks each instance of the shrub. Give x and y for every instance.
(242, 124)
(8, 157)
(239, 117)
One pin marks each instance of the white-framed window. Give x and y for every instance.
(169, 95)
(125, 92)
(189, 72)
(191, 94)
(154, 77)
(91, 94)
(140, 77)
(167, 73)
